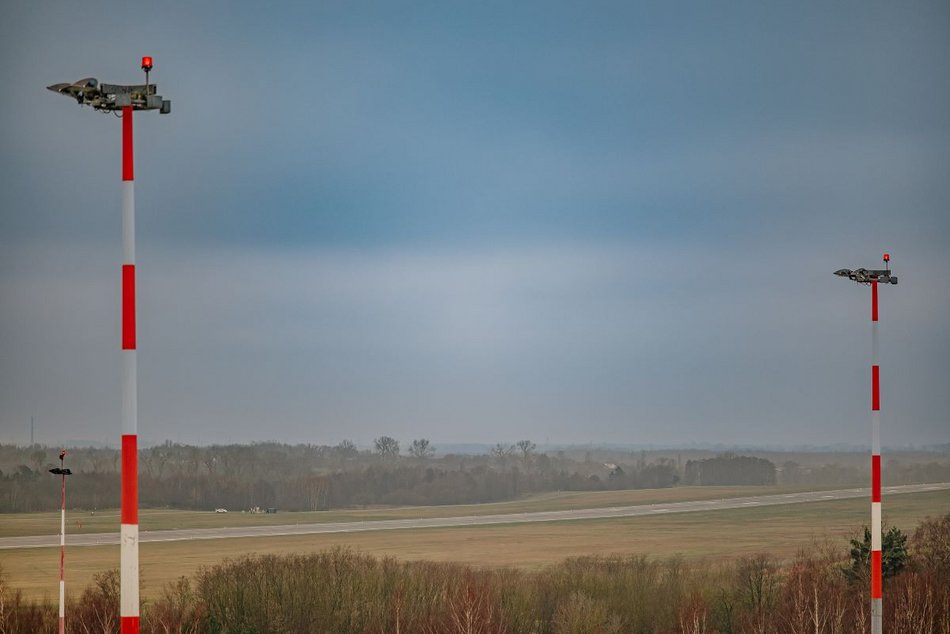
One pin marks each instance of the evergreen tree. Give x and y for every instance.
(894, 555)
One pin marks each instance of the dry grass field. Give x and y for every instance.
(780, 530)
(105, 521)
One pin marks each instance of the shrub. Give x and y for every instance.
(931, 545)
(97, 611)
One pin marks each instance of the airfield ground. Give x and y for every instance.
(779, 530)
(16, 524)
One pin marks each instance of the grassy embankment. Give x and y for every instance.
(778, 530)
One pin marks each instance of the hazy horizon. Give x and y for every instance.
(562, 221)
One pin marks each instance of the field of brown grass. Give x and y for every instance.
(779, 530)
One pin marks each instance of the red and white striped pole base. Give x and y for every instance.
(129, 554)
(877, 609)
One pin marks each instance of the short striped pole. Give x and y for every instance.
(129, 554)
(876, 583)
(62, 551)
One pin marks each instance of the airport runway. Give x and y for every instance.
(101, 539)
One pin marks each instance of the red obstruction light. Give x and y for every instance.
(887, 257)
(147, 63)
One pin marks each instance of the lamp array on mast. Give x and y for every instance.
(115, 97)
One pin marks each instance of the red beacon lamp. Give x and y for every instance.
(146, 66)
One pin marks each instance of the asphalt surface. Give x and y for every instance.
(102, 539)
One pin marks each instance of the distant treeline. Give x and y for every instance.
(321, 477)
(730, 469)
(310, 477)
(341, 592)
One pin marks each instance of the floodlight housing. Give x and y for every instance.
(866, 276)
(113, 97)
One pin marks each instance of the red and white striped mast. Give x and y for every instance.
(873, 277)
(125, 100)
(62, 472)
(129, 533)
(877, 601)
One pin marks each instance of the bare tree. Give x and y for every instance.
(346, 449)
(527, 448)
(37, 458)
(161, 455)
(757, 586)
(421, 448)
(931, 543)
(210, 461)
(386, 446)
(501, 453)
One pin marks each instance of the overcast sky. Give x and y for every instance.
(480, 221)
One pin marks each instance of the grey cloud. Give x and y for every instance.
(477, 222)
(568, 342)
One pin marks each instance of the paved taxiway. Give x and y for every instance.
(100, 539)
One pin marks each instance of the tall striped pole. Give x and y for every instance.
(876, 583)
(873, 277)
(125, 98)
(129, 557)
